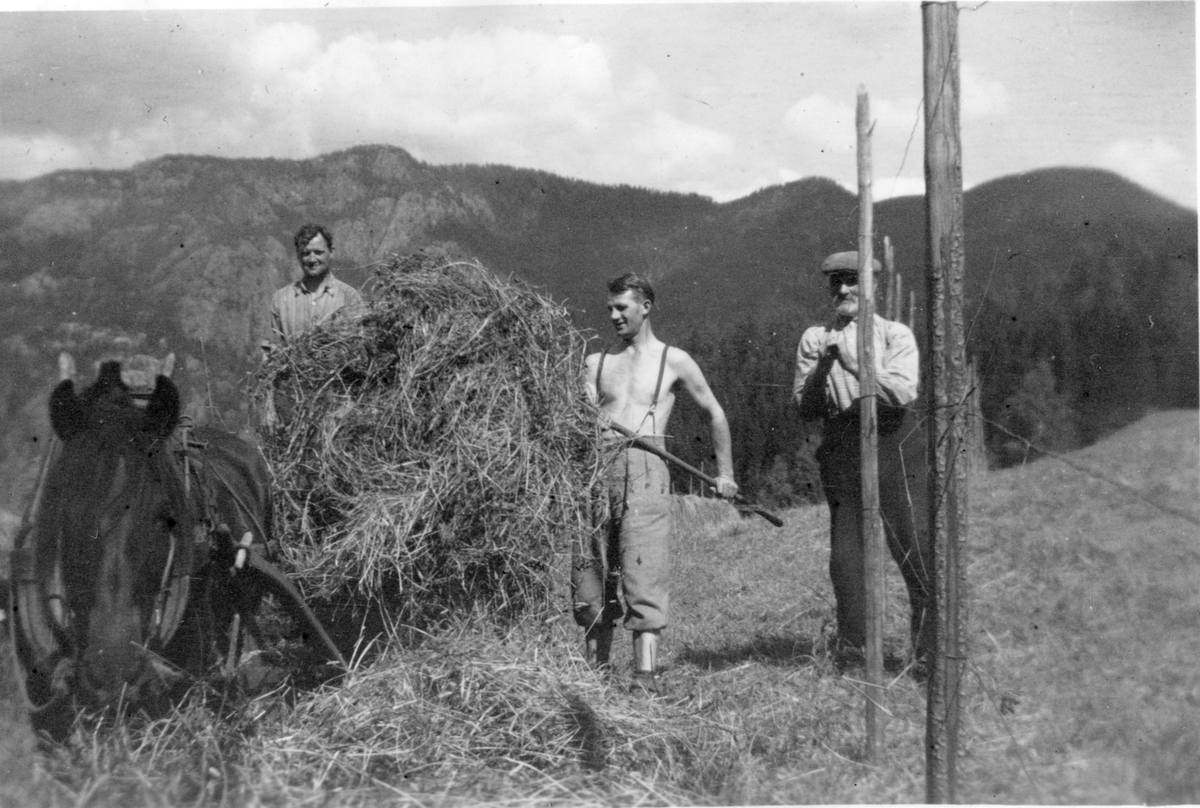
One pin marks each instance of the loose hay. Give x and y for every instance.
(438, 451)
(498, 715)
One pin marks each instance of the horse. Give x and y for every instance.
(142, 560)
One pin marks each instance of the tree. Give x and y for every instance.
(1037, 417)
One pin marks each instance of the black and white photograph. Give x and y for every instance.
(476, 402)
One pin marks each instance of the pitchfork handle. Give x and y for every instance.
(649, 446)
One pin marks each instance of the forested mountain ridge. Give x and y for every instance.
(1077, 279)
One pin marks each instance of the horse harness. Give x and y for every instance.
(37, 599)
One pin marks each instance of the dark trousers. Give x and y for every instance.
(904, 511)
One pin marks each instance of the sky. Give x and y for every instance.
(719, 99)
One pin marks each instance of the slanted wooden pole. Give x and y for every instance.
(872, 533)
(889, 272)
(947, 393)
(977, 451)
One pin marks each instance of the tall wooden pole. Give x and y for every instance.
(872, 532)
(946, 393)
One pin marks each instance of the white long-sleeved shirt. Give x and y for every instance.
(897, 365)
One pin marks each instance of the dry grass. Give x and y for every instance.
(1084, 624)
(1083, 681)
(440, 452)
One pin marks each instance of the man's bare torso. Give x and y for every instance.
(627, 383)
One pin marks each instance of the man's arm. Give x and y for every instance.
(697, 386)
(277, 338)
(897, 366)
(589, 378)
(813, 360)
(900, 372)
(355, 305)
(351, 303)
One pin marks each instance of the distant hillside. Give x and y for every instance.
(1075, 277)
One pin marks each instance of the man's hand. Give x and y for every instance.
(846, 354)
(269, 418)
(726, 487)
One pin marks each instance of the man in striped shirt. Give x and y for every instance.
(826, 388)
(317, 295)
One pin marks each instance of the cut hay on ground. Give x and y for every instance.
(439, 450)
(503, 717)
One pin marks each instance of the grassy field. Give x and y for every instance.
(1083, 683)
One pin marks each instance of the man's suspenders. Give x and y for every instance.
(662, 369)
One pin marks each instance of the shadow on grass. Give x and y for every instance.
(588, 733)
(784, 650)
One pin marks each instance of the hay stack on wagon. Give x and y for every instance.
(439, 452)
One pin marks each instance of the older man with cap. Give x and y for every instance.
(827, 389)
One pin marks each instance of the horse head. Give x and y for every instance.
(141, 552)
(118, 525)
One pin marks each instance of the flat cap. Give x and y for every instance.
(846, 262)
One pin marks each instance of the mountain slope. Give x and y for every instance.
(1076, 270)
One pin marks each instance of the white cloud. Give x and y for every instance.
(520, 97)
(463, 89)
(668, 145)
(833, 125)
(828, 143)
(590, 95)
(33, 156)
(280, 48)
(889, 187)
(826, 125)
(513, 96)
(981, 97)
(1155, 164)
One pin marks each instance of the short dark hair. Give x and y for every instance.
(632, 282)
(308, 233)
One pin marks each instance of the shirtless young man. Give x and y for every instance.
(635, 388)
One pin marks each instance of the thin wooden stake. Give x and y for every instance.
(889, 270)
(872, 531)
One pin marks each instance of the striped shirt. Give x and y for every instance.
(897, 367)
(295, 309)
